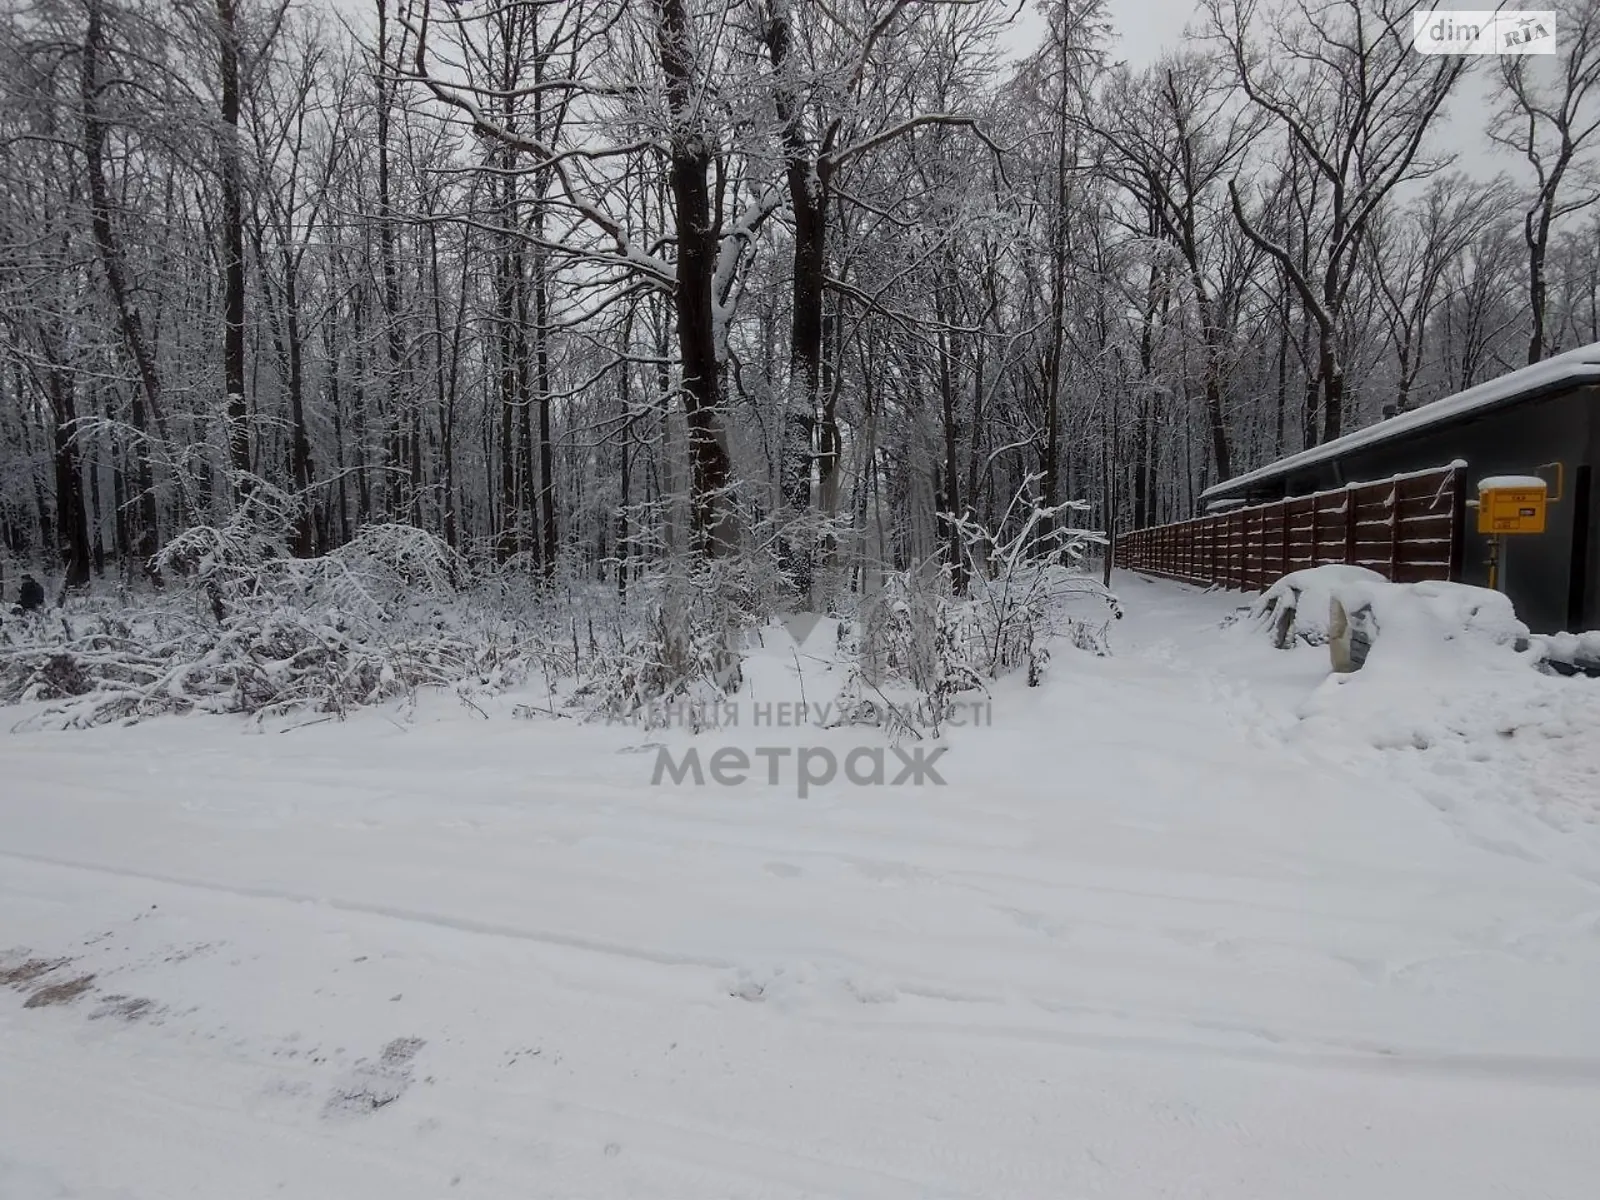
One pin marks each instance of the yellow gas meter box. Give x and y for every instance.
(1512, 504)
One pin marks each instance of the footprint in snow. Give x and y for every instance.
(369, 1086)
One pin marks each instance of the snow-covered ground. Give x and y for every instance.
(1193, 921)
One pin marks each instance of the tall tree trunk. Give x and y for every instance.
(147, 396)
(358, 413)
(1308, 412)
(1537, 233)
(300, 462)
(445, 382)
(1331, 375)
(72, 520)
(807, 177)
(1211, 340)
(232, 183)
(542, 382)
(527, 497)
(951, 468)
(388, 264)
(690, 155)
(506, 540)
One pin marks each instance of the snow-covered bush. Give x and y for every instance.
(913, 650)
(381, 574)
(1025, 589)
(686, 646)
(1026, 585)
(245, 628)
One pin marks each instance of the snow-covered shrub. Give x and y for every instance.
(245, 628)
(225, 561)
(383, 572)
(1026, 580)
(263, 662)
(685, 648)
(678, 643)
(914, 644)
(1025, 589)
(810, 554)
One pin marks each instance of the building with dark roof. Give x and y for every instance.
(1541, 420)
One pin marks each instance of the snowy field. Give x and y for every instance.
(1189, 921)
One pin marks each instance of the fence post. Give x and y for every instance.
(1259, 573)
(1283, 538)
(1244, 549)
(1349, 523)
(1458, 525)
(1258, 543)
(1249, 544)
(1394, 533)
(1230, 565)
(1225, 551)
(1238, 577)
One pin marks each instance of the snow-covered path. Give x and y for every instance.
(1151, 940)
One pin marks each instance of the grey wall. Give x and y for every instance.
(1514, 440)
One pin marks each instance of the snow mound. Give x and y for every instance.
(1581, 650)
(1409, 615)
(1444, 662)
(1448, 663)
(1508, 750)
(1511, 483)
(1437, 612)
(1451, 699)
(1296, 608)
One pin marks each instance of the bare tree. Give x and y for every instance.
(1342, 85)
(1549, 114)
(1411, 252)
(1176, 135)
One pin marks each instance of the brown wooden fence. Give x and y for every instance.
(1407, 528)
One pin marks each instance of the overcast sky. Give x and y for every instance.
(1147, 28)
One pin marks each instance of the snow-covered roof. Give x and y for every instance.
(1575, 366)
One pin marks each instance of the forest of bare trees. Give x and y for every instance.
(583, 286)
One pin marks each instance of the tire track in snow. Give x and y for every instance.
(391, 912)
(1568, 1071)
(1299, 1050)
